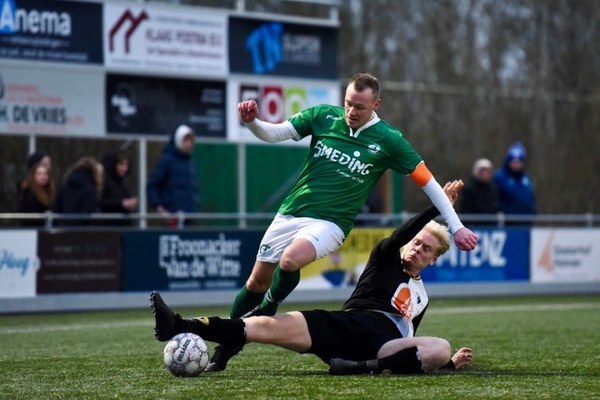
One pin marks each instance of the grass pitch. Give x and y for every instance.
(524, 348)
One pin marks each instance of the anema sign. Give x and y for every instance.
(62, 31)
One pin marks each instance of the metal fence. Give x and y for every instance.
(50, 220)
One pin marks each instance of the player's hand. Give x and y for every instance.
(248, 110)
(465, 239)
(452, 188)
(463, 358)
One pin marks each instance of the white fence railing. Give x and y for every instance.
(50, 220)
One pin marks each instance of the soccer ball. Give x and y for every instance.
(186, 355)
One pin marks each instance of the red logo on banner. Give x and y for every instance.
(272, 105)
(134, 23)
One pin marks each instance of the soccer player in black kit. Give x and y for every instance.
(374, 331)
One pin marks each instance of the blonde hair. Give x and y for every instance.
(95, 168)
(441, 233)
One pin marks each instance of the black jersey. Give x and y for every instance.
(385, 286)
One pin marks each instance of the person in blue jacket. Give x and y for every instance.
(514, 185)
(172, 185)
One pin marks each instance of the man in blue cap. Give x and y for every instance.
(514, 185)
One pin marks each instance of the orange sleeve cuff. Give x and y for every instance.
(421, 175)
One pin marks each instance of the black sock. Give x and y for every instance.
(230, 332)
(405, 361)
(369, 366)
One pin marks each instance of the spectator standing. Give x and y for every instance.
(514, 185)
(81, 191)
(480, 195)
(172, 184)
(33, 159)
(116, 197)
(38, 191)
(39, 157)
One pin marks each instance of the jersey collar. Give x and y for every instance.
(374, 119)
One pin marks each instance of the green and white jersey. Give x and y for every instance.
(342, 166)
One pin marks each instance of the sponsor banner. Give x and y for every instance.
(182, 41)
(263, 47)
(57, 31)
(18, 263)
(502, 255)
(565, 255)
(43, 100)
(342, 268)
(207, 260)
(156, 106)
(278, 99)
(79, 262)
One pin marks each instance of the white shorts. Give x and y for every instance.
(325, 236)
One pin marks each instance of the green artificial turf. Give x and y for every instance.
(524, 348)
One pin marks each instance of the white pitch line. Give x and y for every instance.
(442, 310)
(74, 327)
(513, 308)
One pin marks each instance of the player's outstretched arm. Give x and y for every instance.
(265, 131)
(464, 238)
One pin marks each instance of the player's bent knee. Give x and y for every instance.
(435, 355)
(258, 285)
(293, 262)
(298, 255)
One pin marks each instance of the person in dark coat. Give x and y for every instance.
(514, 185)
(480, 195)
(172, 185)
(116, 197)
(80, 192)
(38, 191)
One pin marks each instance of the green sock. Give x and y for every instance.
(283, 284)
(244, 302)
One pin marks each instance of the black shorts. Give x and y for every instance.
(352, 335)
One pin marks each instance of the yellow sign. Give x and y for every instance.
(351, 256)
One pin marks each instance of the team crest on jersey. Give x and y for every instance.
(264, 248)
(374, 148)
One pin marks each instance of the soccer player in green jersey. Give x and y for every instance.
(350, 148)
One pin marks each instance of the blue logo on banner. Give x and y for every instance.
(264, 44)
(7, 16)
(9, 261)
(501, 255)
(33, 22)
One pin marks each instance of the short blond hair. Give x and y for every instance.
(441, 233)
